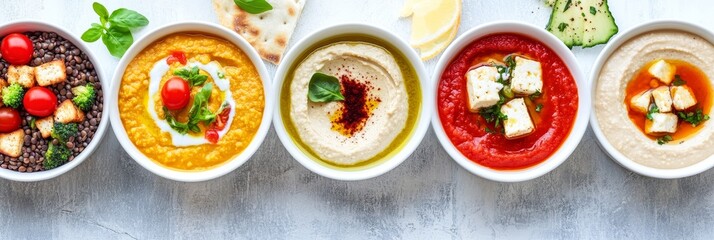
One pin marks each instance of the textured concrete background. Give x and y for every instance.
(427, 197)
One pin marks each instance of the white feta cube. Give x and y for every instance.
(663, 99)
(482, 87)
(527, 77)
(641, 102)
(663, 71)
(683, 97)
(661, 123)
(519, 123)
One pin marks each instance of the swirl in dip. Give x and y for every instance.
(212, 120)
(507, 101)
(653, 98)
(380, 107)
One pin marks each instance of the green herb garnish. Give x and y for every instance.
(254, 6)
(493, 113)
(221, 75)
(653, 109)
(695, 118)
(192, 75)
(664, 140)
(593, 11)
(567, 5)
(117, 35)
(324, 88)
(32, 123)
(535, 95)
(678, 81)
(562, 26)
(199, 113)
(539, 107)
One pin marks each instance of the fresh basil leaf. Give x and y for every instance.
(117, 40)
(93, 34)
(324, 88)
(101, 11)
(181, 128)
(254, 6)
(127, 19)
(192, 75)
(199, 110)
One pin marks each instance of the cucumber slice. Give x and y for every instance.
(584, 23)
(567, 22)
(600, 26)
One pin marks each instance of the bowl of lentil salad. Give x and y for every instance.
(55, 52)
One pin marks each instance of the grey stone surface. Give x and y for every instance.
(427, 197)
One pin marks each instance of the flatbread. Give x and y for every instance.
(268, 32)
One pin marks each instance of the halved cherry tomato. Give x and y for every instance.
(17, 49)
(40, 102)
(176, 93)
(177, 56)
(9, 120)
(212, 135)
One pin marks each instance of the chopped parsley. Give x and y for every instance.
(535, 95)
(593, 11)
(678, 81)
(539, 107)
(664, 140)
(653, 109)
(695, 118)
(493, 113)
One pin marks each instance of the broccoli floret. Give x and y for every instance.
(12, 95)
(56, 155)
(63, 131)
(84, 97)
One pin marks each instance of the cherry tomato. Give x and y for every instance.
(177, 56)
(9, 120)
(176, 93)
(212, 135)
(17, 49)
(40, 102)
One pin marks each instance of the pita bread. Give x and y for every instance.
(268, 32)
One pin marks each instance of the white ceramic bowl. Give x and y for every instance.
(190, 176)
(581, 120)
(615, 154)
(412, 142)
(32, 25)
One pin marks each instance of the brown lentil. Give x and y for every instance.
(49, 47)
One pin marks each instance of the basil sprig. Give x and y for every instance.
(324, 88)
(254, 6)
(115, 29)
(192, 75)
(199, 113)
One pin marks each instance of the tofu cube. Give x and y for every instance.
(23, 75)
(663, 71)
(519, 123)
(683, 97)
(661, 123)
(663, 99)
(527, 77)
(482, 87)
(641, 102)
(51, 73)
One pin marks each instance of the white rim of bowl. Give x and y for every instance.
(615, 43)
(195, 27)
(581, 120)
(34, 25)
(422, 124)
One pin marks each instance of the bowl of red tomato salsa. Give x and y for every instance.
(510, 101)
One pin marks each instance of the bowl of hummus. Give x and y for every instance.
(190, 101)
(652, 98)
(510, 101)
(351, 102)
